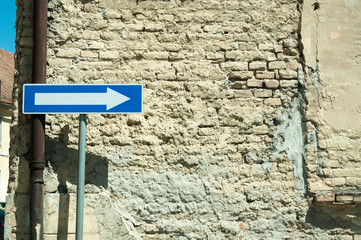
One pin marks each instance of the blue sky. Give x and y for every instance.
(7, 25)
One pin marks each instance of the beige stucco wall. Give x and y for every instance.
(232, 143)
(4, 152)
(331, 48)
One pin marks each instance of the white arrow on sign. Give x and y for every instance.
(111, 98)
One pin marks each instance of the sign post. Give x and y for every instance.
(82, 99)
(81, 178)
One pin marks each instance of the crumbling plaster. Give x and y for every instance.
(330, 48)
(235, 132)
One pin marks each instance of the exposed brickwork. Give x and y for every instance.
(6, 76)
(219, 152)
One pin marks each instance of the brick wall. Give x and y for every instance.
(219, 152)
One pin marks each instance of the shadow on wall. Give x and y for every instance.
(331, 216)
(64, 164)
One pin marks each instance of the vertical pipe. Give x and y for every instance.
(37, 160)
(81, 178)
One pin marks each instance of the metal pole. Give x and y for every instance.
(37, 160)
(81, 178)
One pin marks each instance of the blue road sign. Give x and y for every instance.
(86, 98)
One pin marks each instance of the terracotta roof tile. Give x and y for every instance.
(7, 64)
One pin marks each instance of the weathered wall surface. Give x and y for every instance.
(4, 152)
(220, 150)
(331, 40)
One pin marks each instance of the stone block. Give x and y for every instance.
(89, 54)
(135, 27)
(254, 83)
(164, 37)
(241, 75)
(109, 35)
(90, 35)
(258, 65)
(265, 47)
(311, 168)
(260, 130)
(278, 48)
(173, 56)
(288, 83)
(229, 93)
(324, 197)
(270, 56)
(167, 76)
(318, 186)
(332, 164)
(263, 93)
(166, 17)
(243, 94)
(215, 56)
(68, 53)
(95, 65)
(355, 180)
(344, 198)
(239, 84)
(233, 55)
(112, 15)
(347, 237)
(116, 45)
(338, 182)
(109, 55)
(294, 65)
(273, 102)
(357, 198)
(247, 46)
(290, 52)
(172, 47)
(277, 65)
(96, 45)
(26, 42)
(235, 66)
(347, 172)
(156, 55)
(288, 74)
(271, 83)
(60, 62)
(153, 27)
(265, 75)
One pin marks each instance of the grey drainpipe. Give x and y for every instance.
(37, 161)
